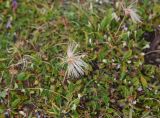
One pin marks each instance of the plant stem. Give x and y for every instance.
(152, 52)
(130, 112)
(120, 25)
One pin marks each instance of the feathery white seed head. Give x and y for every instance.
(132, 12)
(75, 64)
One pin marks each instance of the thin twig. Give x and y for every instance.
(65, 78)
(120, 25)
(154, 51)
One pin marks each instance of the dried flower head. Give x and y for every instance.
(9, 23)
(14, 5)
(132, 12)
(75, 64)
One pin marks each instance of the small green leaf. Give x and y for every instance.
(135, 81)
(22, 76)
(3, 94)
(15, 102)
(107, 19)
(127, 54)
(143, 81)
(106, 99)
(1, 110)
(123, 72)
(156, 8)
